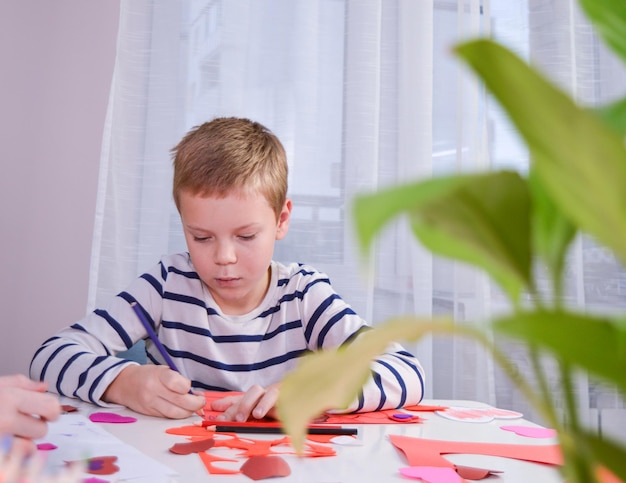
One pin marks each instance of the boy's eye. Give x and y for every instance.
(200, 238)
(247, 237)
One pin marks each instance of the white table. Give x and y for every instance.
(375, 460)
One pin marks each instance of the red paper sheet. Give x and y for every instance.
(427, 452)
(377, 417)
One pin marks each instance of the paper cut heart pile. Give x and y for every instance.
(261, 457)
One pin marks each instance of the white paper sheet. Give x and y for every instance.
(77, 438)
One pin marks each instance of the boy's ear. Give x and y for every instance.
(283, 220)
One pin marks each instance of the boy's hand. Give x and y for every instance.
(257, 402)
(25, 407)
(154, 391)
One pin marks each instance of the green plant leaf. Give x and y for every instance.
(371, 211)
(596, 345)
(484, 221)
(581, 161)
(552, 232)
(332, 379)
(609, 19)
(614, 115)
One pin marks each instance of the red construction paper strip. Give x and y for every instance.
(189, 431)
(425, 408)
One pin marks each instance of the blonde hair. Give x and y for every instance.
(231, 154)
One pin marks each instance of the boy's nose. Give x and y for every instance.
(225, 253)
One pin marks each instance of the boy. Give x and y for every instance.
(231, 318)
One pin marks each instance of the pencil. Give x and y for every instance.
(259, 424)
(154, 337)
(224, 428)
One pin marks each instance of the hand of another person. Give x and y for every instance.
(26, 407)
(21, 462)
(155, 391)
(257, 402)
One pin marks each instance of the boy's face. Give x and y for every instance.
(231, 244)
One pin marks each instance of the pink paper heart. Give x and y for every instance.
(104, 417)
(46, 446)
(531, 432)
(431, 474)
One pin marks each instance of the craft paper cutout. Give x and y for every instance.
(345, 440)
(77, 439)
(315, 450)
(425, 408)
(94, 480)
(190, 431)
(209, 459)
(193, 447)
(477, 415)
(104, 417)
(98, 465)
(427, 452)
(260, 448)
(471, 473)
(46, 446)
(431, 474)
(262, 467)
(403, 417)
(68, 408)
(376, 417)
(255, 447)
(530, 431)
(262, 458)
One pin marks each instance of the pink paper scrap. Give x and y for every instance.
(530, 431)
(46, 446)
(477, 415)
(104, 417)
(431, 474)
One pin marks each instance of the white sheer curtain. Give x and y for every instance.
(363, 94)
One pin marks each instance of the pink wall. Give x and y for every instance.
(56, 64)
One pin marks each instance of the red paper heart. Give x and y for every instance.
(99, 465)
(471, 473)
(193, 447)
(262, 467)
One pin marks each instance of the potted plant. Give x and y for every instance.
(503, 223)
